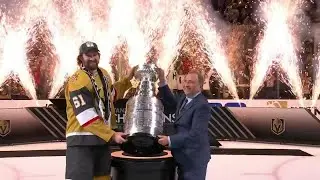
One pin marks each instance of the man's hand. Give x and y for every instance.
(161, 75)
(118, 137)
(163, 140)
(133, 72)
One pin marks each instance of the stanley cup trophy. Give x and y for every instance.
(144, 116)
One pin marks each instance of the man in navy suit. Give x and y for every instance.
(189, 145)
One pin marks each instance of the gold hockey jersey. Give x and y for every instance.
(85, 125)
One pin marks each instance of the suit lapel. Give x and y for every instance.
(181, 102)
(179, 106)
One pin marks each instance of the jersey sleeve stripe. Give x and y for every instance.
(87, 116)
(91, 121)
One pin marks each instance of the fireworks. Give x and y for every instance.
(316, 87)
(131, 32)
(278, 45)
(147, 30)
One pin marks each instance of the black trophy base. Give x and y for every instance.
(142, 145)
(142, 168)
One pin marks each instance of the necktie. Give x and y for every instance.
(183, 104)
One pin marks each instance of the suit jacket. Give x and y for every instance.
(190, 144)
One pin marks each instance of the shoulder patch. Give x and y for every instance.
(78, 80)
(74, 77)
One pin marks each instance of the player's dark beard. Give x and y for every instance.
(91, 65)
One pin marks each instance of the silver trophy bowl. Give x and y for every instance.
(144, 116)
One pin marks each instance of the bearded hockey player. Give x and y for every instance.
(89, 96)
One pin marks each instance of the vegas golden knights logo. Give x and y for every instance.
(5, 127)
(278, 126)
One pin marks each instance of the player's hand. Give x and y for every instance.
(133, 72)
(118, 137)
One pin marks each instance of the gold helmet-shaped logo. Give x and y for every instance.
(5, 127)
(278, 126)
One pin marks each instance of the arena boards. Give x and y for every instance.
(24, 121)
